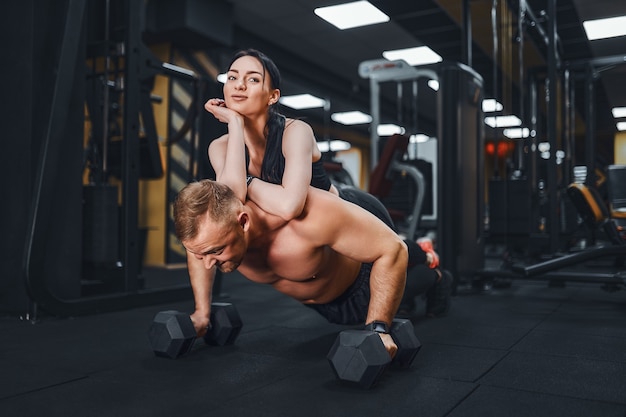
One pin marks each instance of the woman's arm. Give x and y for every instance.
(286, 200)
(229, 150)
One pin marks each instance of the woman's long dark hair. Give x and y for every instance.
(273, 165)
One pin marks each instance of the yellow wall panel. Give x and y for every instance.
(152, 193)
(620, 148)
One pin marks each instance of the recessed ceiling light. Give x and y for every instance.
(619, 112)
(491, 105)
(621, 126)
(419, 138)
(334, 145)
(351, 118)
(434, 84)
(503, 121)
(389, 129)
(605, 28)
(302, 101)
(351, 15)
(516, 132)
(543, 147)
(420, 55)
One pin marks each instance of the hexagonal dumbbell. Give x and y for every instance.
(225, 325)
(360, 357)
(403, 334)
(172, 334)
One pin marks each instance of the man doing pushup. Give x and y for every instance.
(336, 257)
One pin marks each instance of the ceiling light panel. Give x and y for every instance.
(334, 145)
(302, 101)
(419, 138)
(605, 28)
(420, 55)
(491, 105)
(619, 112)
(351, 15)
(516, 133)
(503, 121)
(389, 129)
(351, 118)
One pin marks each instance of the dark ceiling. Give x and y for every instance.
(316, 57)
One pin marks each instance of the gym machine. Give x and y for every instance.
(460, 137)
(52, 258)
(386, 168)
(556, 194)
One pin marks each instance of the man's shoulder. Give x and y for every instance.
(318, 194)
(322, 203)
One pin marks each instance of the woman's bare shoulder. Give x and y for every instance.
(296, 124)
(219, 142)
(219, 139)
(298, 129)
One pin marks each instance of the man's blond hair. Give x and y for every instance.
(200, 199)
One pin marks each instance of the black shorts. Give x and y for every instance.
(351, 306)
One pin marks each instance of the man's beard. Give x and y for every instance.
(228, 266)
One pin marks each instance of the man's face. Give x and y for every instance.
(219, 245)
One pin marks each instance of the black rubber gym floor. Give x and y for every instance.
(527, 350)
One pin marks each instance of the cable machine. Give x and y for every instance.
(460, 144)
(399, 71)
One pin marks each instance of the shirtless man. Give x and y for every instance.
(336, 257)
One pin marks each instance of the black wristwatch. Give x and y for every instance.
(377, 327)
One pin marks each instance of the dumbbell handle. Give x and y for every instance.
(390, 345)
(199, 319)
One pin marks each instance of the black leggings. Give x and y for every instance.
(351, 306)
(374, 206)
(368, 202)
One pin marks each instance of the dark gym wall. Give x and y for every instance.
(15, 158)
(35, 30)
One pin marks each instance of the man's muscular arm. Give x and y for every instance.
(354, 232)
(201, 280)
(361, 236)
(387, 282)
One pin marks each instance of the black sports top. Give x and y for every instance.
(273, 166)
(319, 178)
